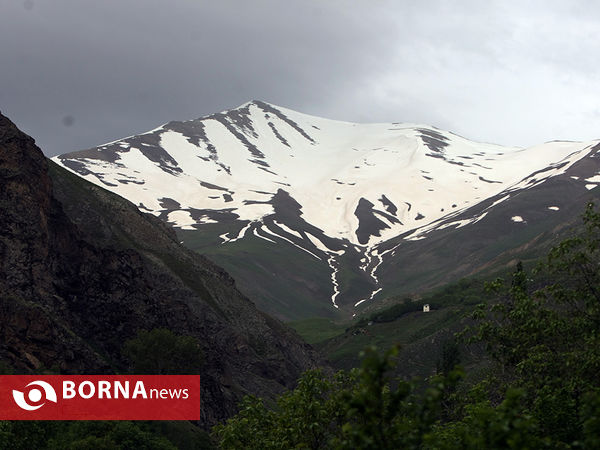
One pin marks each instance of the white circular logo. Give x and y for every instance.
(35, 396)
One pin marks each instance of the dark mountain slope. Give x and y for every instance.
(82, 271)
(522, 227)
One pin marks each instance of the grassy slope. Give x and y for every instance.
(302, 290)
(317, 329)
(421, 335)
(494, 243)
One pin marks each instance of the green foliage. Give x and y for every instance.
(464, 292)
(545, 336)
(360, 409)
(590, 418)
(23, 435)
(317, 329)
(160, 351)
(107, 435)
(385, 415)
(303, 418)
(182, 434)
(450, 357)
(5, 368)
(542, 332)
(407, 305)
(486, 427)
(82, 435)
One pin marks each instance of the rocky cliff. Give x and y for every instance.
(83, 270)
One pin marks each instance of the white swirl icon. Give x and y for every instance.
(35, 396)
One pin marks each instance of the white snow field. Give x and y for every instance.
(325, 165)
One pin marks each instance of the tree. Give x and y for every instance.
(362, 409)
(545, 333)
(449, 358)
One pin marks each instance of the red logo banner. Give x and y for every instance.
(99, 397)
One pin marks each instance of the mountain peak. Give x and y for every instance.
(327, 187)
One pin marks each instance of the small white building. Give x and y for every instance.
(426, 307)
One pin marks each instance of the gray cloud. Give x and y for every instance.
(78, 73)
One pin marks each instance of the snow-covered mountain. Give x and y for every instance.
(335, 191)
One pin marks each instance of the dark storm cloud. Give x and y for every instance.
(121, 67)
(78, 73)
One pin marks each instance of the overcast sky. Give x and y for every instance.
(78, 73)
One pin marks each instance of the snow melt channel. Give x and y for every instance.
(336, 286)
(373, 273)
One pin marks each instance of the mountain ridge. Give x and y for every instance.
(335, 191)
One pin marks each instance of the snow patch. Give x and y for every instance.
(240, 235)
(373, 294)
(182, 219)
(257, 234)
(268, 231)
(336, 287)
(288, 229)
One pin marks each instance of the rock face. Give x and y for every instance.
(82, 270)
